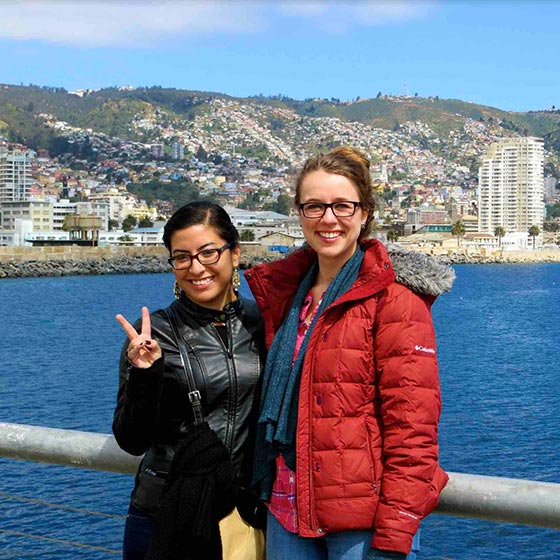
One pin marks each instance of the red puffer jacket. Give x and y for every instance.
(369, 402)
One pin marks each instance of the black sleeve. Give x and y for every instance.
(135, 416)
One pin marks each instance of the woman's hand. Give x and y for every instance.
(142, 351)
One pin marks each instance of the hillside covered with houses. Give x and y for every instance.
(127, 158)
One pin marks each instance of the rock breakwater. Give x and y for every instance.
(90, 266)
(517, 258)
(157, 263)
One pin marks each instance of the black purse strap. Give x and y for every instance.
(194, 393)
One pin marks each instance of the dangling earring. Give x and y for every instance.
(235, 279)
(177, 290)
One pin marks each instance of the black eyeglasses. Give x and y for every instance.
(342, 209)
(208, 256)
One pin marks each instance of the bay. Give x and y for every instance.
(498, 345)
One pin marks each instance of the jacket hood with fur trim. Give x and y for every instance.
(421, 273)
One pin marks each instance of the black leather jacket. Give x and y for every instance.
(153, 406)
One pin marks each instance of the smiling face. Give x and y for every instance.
(334, 239)
(207, 285)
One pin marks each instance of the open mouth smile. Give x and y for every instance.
(202, 282)
(329, 234)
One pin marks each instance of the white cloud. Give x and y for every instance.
(141, 23)
(340, 17)
(93, 24)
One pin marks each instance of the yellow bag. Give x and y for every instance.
(240, 541)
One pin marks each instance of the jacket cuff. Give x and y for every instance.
(394, 528)
(141, 380)
(393, 540)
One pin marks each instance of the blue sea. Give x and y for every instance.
(498, 336)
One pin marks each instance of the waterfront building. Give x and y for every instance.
(15, 175)
(39, 212)
(511, 186)
(120, 203)
(417, 218)
(64, 207)
(148, 235)
(280, 243)
(241, 217)
(17, 235)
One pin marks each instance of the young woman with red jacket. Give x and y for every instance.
(347, 450)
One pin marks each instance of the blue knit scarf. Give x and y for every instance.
(280, 391)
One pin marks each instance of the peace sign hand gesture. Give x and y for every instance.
(142, 351)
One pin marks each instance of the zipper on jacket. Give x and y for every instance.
(232, 408)
(312, 517)
(232, 379)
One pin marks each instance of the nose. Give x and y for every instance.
(196, 267)
(329, 217)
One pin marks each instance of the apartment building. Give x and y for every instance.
(177, 150)
(38, 212)
(15, 175)
(550, 190)
(511, 186)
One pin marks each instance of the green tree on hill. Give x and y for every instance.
(282, 205)
(177, 192)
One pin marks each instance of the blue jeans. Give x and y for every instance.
(138, 530)
(346, 545)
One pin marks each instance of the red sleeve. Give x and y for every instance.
(409, 392)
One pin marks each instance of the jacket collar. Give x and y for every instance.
(274, 284)
(203, 315)
(277, 281)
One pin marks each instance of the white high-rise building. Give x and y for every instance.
(177, 150)
(550, 189)
(15, 175)
(511, 186)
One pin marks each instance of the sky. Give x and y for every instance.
(505, 54)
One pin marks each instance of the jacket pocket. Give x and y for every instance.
(371, 459)
(151, 479)
(150, 485)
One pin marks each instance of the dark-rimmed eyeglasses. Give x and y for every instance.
(208, 256)
(341, 209)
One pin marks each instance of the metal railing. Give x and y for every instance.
(525, 502)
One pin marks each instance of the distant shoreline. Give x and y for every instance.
(156, 262)
(517, 258)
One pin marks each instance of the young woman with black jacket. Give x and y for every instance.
(154, 413)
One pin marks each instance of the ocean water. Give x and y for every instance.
(499, 349)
